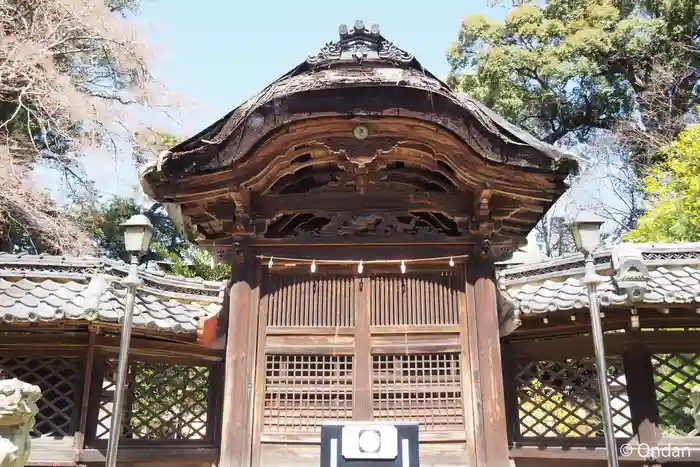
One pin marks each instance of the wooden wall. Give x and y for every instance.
(395, 363)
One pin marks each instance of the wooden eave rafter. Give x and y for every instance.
(402, 166)
(500, 147)
(415, 139)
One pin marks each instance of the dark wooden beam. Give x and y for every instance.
(168, 455)
(451, 204)
(85, 393)
(43, 342)
(398, 241)
(641, 390)
(472, 424)
(575, 346)
(157, 349)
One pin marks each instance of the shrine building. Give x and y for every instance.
(374, 219)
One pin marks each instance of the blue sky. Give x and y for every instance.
(221, 52)
(218, 53)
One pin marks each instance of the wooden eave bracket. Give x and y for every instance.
(508, 314)
(243, 222)
(482, 202)
(207, 333)
(482, 223)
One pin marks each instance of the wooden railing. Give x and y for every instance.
(553, 398)
(172, 396)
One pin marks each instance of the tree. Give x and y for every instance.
(170, 249)
(673, 188)
(554, 236)
(68, 71)
(573, 71)
(102, 222)
(571, 66)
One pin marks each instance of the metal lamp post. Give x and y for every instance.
(587, 237)
(138, 232)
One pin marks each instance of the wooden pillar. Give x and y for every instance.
(236, 419)
(641, 391)
(510, 391)
(362, 384)
(488, 406)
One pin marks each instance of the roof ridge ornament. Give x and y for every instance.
(630, 272)
(359, 44)
(359, 29)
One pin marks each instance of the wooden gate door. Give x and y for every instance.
(340, 347)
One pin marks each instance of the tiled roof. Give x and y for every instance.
(55, 288)
(555, 285)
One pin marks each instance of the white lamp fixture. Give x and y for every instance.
(586, 231)
(138, 232)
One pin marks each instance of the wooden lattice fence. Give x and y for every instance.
(163, 402)
(60, 382)
(556, 401)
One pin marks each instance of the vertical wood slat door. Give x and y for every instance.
(416, 351)
(306, 362)
(363, 365)
(385, 347)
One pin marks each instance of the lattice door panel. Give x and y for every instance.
(309, 301)
(560, 399)
(423, 388)
(675, 375)
(301, 391)
(165, 402)
(59, 381)
(416, 299)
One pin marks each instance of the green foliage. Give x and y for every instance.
(673, 186)
(169, 401)
(169, 248)
(194, 262)
(571, 66)
(676, 376)
(103, 222)
(570, 419)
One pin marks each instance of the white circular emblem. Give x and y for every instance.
(369, 441)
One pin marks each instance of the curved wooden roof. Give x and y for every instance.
(297, 137)
(327, 71)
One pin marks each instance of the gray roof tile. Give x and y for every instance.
(50, 288)
(555, 285)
